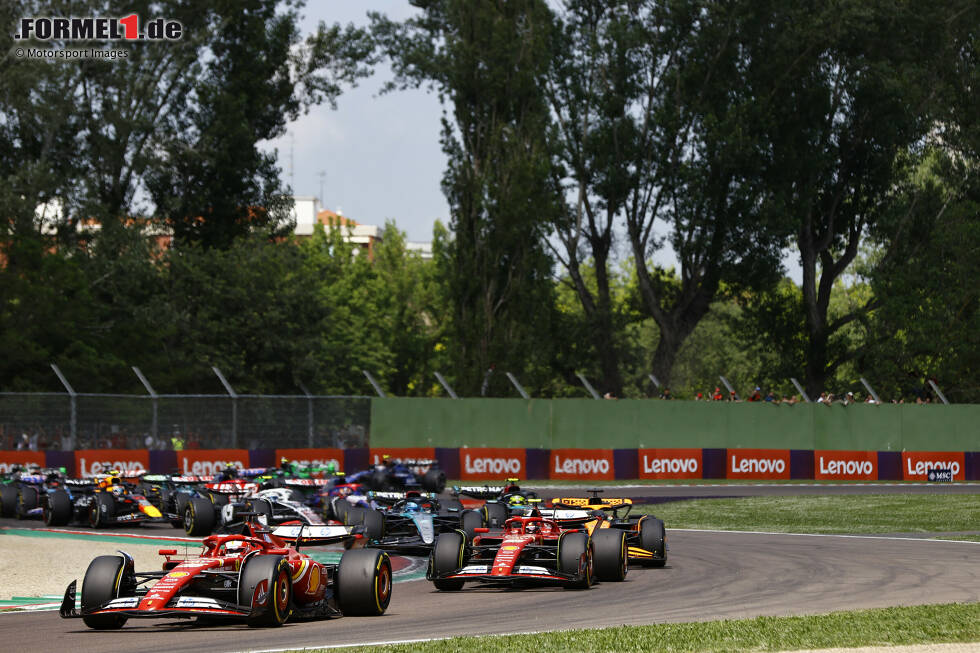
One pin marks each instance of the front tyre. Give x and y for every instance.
(611, 559)
(27, 500)
(653, 538)
(102, 510)
(105, 579)
(575, 557)
(199, 517)
(267, 587)
(447, 556)
(364, 582)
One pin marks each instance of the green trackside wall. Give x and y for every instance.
(629, 424)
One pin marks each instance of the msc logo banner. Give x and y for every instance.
(916, 464)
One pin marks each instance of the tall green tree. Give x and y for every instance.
(846, 124)
(488, 62)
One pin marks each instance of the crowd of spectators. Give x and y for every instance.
(919, 396)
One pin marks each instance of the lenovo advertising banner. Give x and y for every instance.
(669, 463)
(762, 464)
(129, 462)
(916, 464)
(845, 465)
(582, 465)
(492, 464)
(313, 457)
(205, 462)
(12, 459)
(400, 453)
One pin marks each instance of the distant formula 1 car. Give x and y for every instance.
(499, 501)
(402, 474)
(529, 550)
(100, 502)
(260, 578)
(646, 537)
(410, 521)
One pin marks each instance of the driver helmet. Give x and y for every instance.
(532, 528)
(331, 467)
(516, 500)
(411, 506)
(230, 471)
(234, 545)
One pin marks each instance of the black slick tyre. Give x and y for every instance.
(469, 521)
(447, 557)
(102, 510)
(266, 586)
(262, 507)
(8, 500)
(434, 480)
(373, 522)
(653, 538)
(340, 507)
(27, 500)
(611, 559)
(199, 517)
(57, 511)
(104, 580)
(494, 515)
(575, 557)
(180, 504)
(364, 582)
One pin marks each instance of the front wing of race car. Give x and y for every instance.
(178, 606)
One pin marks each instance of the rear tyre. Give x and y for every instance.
(26, 501)
(266, 586)
(379, 480)
(575, 557)
(8, 500)
(102, 510)
(364, 582)
(447, 557)
(199, 517)
(434, 480)
(494, 515)
(469, 521)
(653, 538)
(105, 579)
(180, 505)
(58, 510)
(373, 522)
(611, 560)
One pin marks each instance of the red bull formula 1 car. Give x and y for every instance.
(529, 550)
(260, 578)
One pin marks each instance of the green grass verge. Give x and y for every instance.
(881, 627)
(839, 514)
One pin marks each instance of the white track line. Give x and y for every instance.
(856, 537)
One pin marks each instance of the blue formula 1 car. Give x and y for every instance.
(402, 475)
(409, 522)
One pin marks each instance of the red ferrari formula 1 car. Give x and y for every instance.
(529, 550)
(260, 578)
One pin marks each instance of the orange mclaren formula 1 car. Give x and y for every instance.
(529, 550)
(259, 577)
(646, 537)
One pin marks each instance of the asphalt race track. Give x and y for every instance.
(709, 576)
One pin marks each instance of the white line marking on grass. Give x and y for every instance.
(858, 537)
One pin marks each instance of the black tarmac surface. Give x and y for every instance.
(709, 576)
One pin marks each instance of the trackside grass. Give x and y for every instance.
(839, 514)
(926, 624)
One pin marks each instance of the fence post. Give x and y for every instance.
(939, 393)
(153, 398)
(73, 406)
(234, 406)
(375, 384)
(445, 384)
(656, 381)
(588, 386)
(800, 389)
(728, 385)
(309, 415)
(517, 385)
(870, 390)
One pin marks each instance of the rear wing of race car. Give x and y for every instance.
(299, 534)
(478, 491)
(306, 482)
(591, 503)
(394, 497)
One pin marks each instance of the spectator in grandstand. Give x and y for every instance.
(717, 396)
(771, 397)
(822, 399)
(666, 394)
(756, 394)
(849, 399)
(699, 397)
(733, 397)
